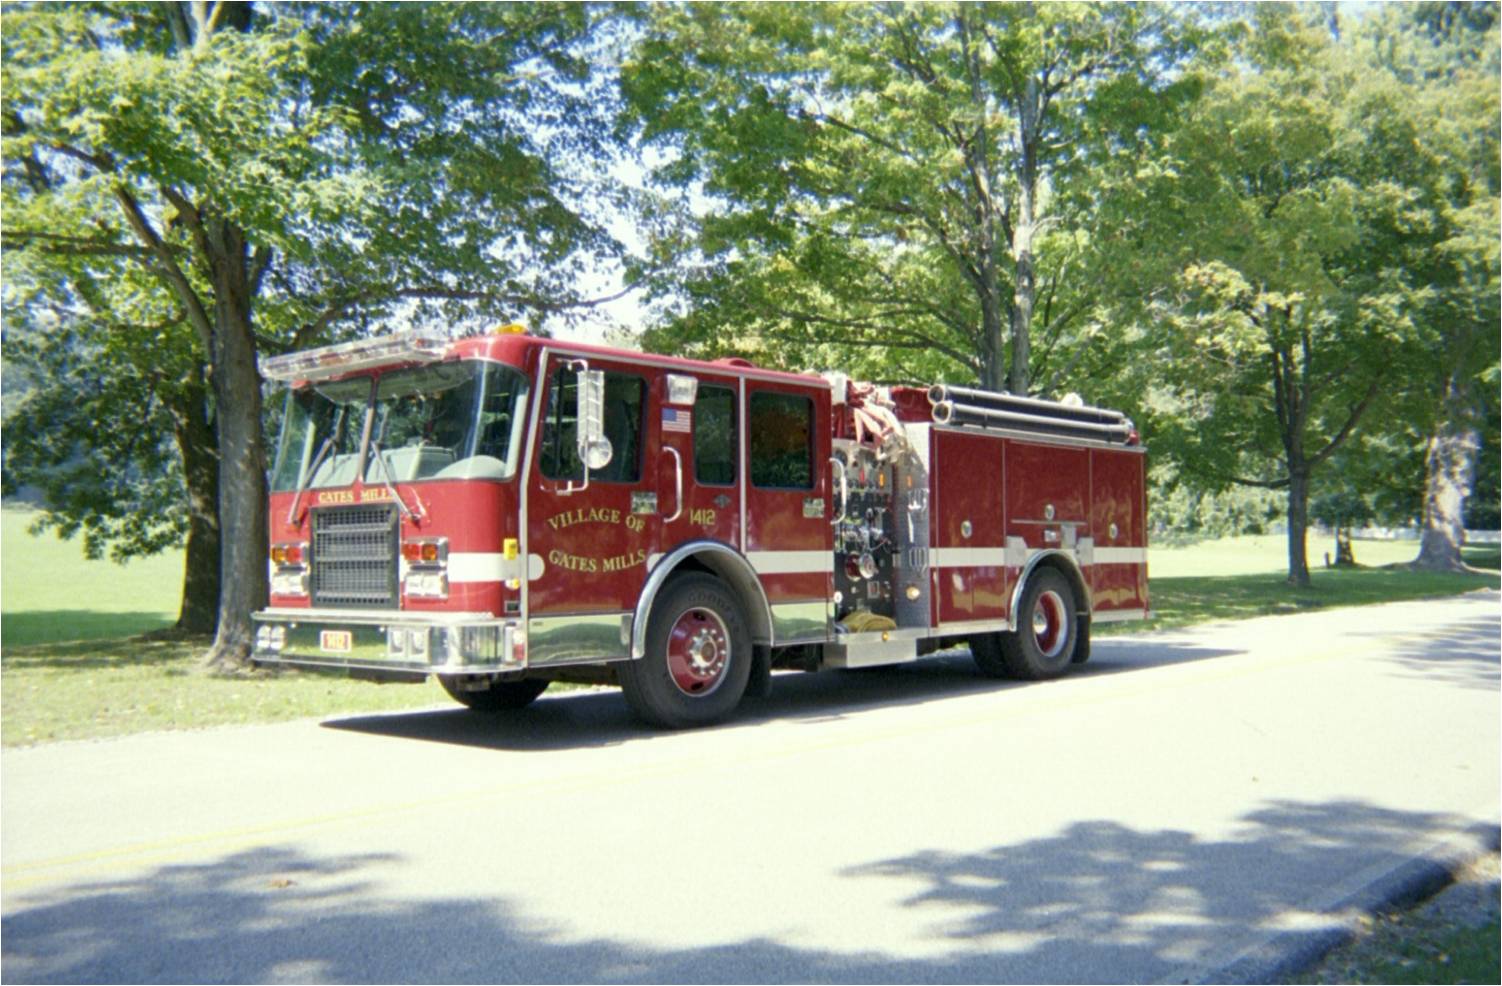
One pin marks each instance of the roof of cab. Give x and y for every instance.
(518, 349)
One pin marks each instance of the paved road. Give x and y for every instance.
(1173, 807)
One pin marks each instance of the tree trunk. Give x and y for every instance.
(1345, 554)
(1449, 467)
(986, 235)
(993, 373)
(194, 433)
(1298, 527)
(1022, 310)
(1025, 290)
(242, 467)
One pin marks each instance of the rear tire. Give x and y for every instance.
(698, 656)
(1046, 638)
(501, 696)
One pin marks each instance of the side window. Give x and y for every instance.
(624, 399)
(714, 436)
(560, 452)
(782, 441)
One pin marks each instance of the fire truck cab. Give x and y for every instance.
(506, 511)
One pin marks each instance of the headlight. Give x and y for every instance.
(431, 585)
(290, 582)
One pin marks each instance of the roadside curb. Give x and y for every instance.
(1289, 953)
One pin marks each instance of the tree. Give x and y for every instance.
(1297, 190)
(1446, 56)
(1377, 477)
(913, 180)
(142, 407)
(286, 172)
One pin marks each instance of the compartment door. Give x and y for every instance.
(785, 433)
(970, 578)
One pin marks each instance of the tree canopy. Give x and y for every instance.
(914, 179)
(283, 172)
(1303, 214)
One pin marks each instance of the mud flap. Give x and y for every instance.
(1081, 641)
(760, 683)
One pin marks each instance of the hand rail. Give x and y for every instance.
(839, 512)
(677, 484)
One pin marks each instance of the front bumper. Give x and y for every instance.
(381, 640)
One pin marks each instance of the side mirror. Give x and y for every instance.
(594, 448)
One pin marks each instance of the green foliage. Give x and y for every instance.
(1179, 511)
(858, 184)
(176, 174)
(1446, 57)
(1377, 478)
(96, 444)
(100, 394)
(1484, 508)
(1294, 307)
(1310, 207)
(378, 153)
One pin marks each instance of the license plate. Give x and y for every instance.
(336, 641)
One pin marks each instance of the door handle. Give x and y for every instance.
(677, 484)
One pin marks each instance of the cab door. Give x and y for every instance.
(699, 459)
(590, 532)
(786, 446)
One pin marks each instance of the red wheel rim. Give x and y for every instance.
(698, 652)
(1049, 629)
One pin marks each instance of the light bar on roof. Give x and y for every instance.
(348, 357)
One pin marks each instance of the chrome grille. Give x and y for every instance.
(354, 557)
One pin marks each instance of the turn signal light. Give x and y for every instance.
(424, 552)
(420, 551)
(287, 554)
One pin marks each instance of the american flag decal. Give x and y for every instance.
(676, 420)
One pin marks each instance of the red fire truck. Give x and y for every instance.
(505, 511)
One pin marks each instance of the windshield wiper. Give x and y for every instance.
(375, 448)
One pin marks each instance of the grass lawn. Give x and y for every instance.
(99, 688)
(1238, 578)
(1451, 938)
(74, 664)
(1415, 952)
(50, 592)
(1265, 553)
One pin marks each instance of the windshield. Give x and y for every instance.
(444, 421)
(321, 434)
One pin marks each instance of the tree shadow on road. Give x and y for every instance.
(1097, 901)
(1465, 653)
(595, 718)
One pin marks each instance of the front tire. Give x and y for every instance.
(501, 696)
(1046, 638)
(698, 656)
